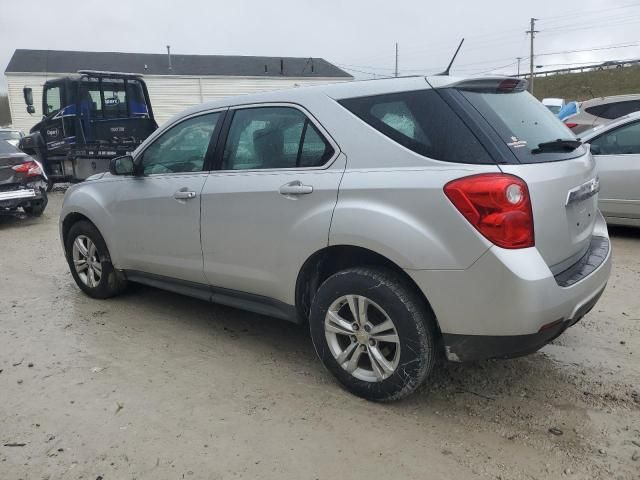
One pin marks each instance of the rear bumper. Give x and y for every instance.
(20, 195)
(467, 348)
(508, 303)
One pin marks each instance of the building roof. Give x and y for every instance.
(61, 61)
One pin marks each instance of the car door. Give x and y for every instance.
(268, 206)
(617, 154)
(156, 214)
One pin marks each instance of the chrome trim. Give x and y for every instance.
(584, 191)
(18, 194)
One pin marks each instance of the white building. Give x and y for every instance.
(175, 82)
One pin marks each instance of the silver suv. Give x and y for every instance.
(402, 219)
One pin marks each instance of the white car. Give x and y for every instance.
(554, 104)
(616, 149)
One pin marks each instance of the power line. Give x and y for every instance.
(589, 12)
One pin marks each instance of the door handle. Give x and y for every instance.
(296, 188)
(184, 195)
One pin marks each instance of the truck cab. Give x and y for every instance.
(88, 119)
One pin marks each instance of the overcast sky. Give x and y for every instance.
(357, 34)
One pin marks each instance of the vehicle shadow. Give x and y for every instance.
(489, 386)
(624, 232)
(18, 220)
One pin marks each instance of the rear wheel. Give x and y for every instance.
(90, 262)
(374, 333)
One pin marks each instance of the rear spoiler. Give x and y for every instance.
(492, 85)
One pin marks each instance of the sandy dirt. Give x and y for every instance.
(152, 385)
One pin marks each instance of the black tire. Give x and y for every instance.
(111, 282)
(37, 208)
(49, 185)
(412, 319)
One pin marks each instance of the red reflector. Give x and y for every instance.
(31, 168)
(549, 325)
(497, 205)
(571, 124)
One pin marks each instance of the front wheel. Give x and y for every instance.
(90, 262)
(374, 333)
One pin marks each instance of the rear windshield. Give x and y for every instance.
(422, 122)
(523, 123)
(7, 149)
(9, 135)
(614, 110)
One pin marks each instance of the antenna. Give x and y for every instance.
(446, 72)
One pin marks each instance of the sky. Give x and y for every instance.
(357, 35)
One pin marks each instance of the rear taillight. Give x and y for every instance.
(497, 205)
(571, 124)
(30, 169)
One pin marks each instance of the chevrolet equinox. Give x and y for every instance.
(403, 219)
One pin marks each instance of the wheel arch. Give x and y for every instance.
(329, 260)
(73, 217)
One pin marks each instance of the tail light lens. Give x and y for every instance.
(30, 168)
(571, 124)
(497, 205)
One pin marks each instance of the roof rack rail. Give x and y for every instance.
(101, 73)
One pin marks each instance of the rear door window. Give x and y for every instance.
(422, 122)
(523, 123)
(273, 137)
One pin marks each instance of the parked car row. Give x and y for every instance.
(402, 219)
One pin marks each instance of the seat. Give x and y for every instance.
(268, 144)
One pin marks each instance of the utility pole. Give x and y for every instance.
(531, 32)
(518, 58)
(396, 73)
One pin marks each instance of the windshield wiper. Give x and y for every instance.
(559, 145)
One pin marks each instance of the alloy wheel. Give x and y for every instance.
(86, 261)
(362, 338)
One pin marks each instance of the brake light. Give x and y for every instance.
(571, 124)
(497, 205)
(31, 169)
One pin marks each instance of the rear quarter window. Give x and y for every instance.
(422, 122)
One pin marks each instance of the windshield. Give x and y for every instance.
(524, 123)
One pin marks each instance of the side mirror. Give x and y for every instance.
(28, 96)
(122, 165)
(31, 109)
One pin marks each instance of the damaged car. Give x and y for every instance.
(23, 183)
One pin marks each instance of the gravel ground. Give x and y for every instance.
(152, 385)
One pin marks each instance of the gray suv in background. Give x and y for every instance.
(402, 219)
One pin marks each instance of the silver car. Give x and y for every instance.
(403, 219)
(616, 149)
(602, 110)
